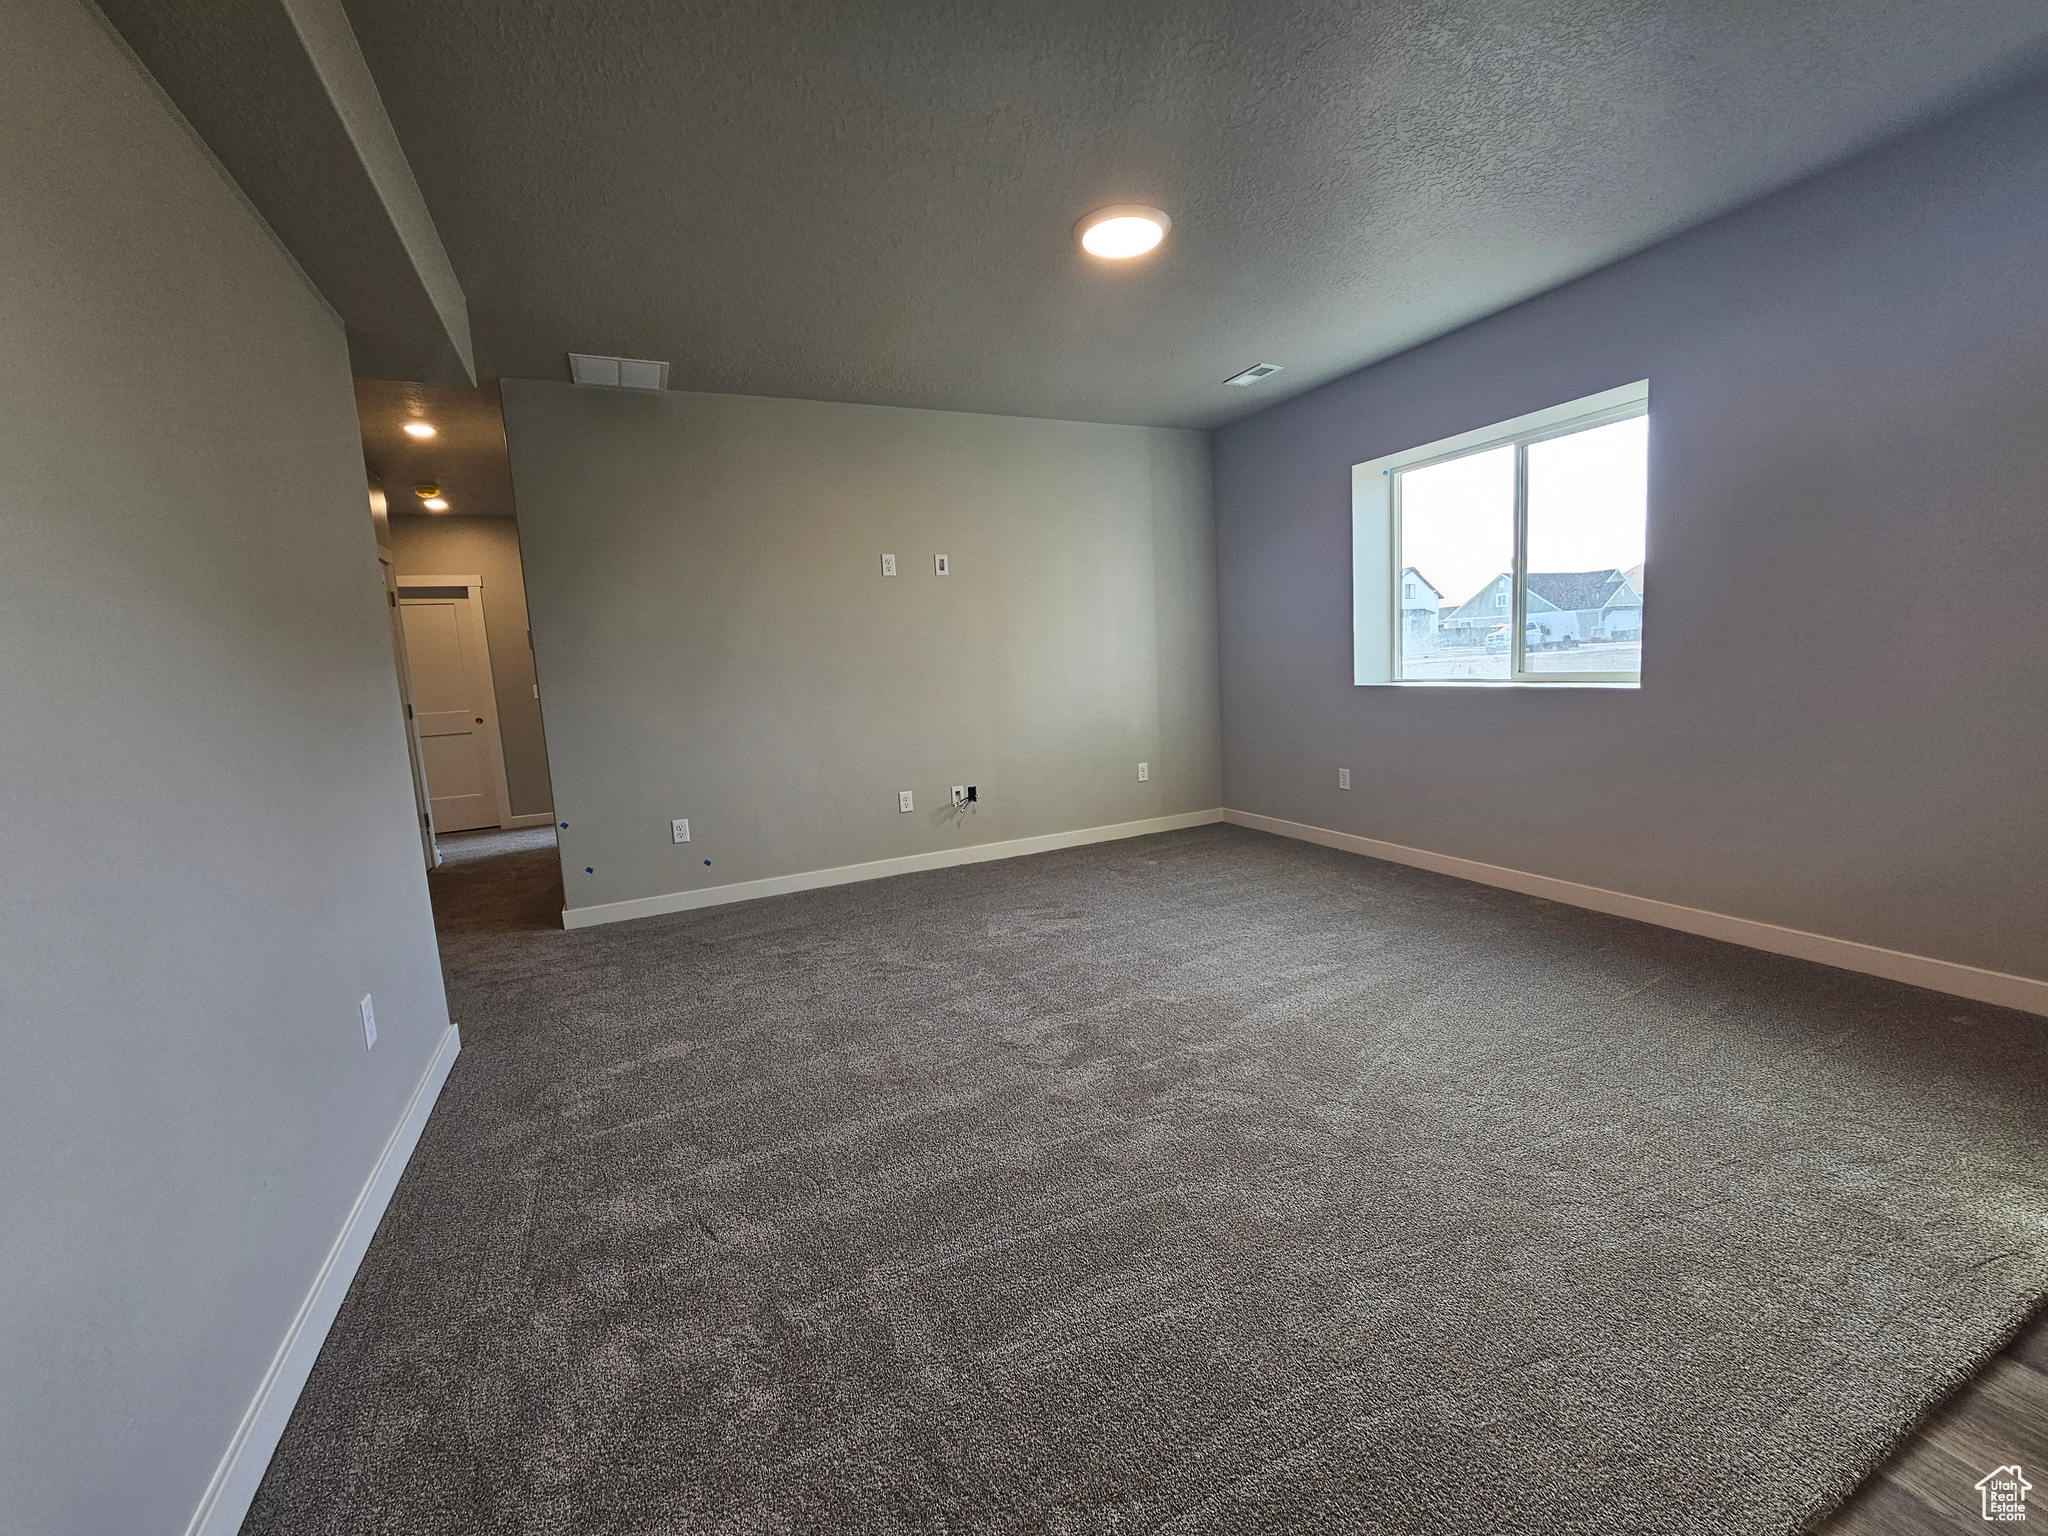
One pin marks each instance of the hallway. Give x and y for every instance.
(496, 882)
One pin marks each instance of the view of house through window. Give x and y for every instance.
(1457, 534)
(1574, 503)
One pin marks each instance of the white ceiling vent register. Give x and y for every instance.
(1252, 375)
(618, 372)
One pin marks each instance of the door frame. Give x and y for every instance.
(475, 638)
(387, 567)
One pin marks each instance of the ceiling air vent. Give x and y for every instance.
(1252, 375)
(618, 372)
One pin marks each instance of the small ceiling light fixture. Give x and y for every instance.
(1120, 232)
(419, 429)
(435, 504)
(1252, 375)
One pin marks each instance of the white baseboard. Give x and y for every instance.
(226, 1500)
(878, 869)
(534, 819)
(2007, 991)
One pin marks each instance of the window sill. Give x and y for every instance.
(1524, 685)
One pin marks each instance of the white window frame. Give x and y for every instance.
(1376, 543)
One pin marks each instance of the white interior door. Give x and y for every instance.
(453, 703)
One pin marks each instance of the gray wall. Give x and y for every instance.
(1843, 725)
(204, 797)
(489, 547)
(716, 640)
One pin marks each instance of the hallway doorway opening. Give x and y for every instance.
(448, 534)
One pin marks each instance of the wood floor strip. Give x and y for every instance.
(1929, 1485)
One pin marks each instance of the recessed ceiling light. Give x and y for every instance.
(1253, 374)
(418, 429)
(435, 504)
(1123, 231)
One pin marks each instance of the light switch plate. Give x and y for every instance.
(945, 565)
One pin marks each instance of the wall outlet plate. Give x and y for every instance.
(959, 794)
(369, 1012)
(888, 565)
(903, 801)
(1144, 772)
(680, 827)
(945, 565)
(1343, 778)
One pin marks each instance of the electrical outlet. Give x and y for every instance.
(1343, 778)
(945, 566)
(903, 801)
(369, 1022)
(681, 828)
(888, 565)
(1144, 772)
(959, 794)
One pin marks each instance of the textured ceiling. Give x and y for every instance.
(874, 202)
(465, 457)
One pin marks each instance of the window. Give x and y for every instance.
(1525, 541)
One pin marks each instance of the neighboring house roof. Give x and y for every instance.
(1411, 571)
(1572, 590)
(1558, 592)
(1480, 603)
(1635, 577)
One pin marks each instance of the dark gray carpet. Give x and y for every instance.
(1205, 1182)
